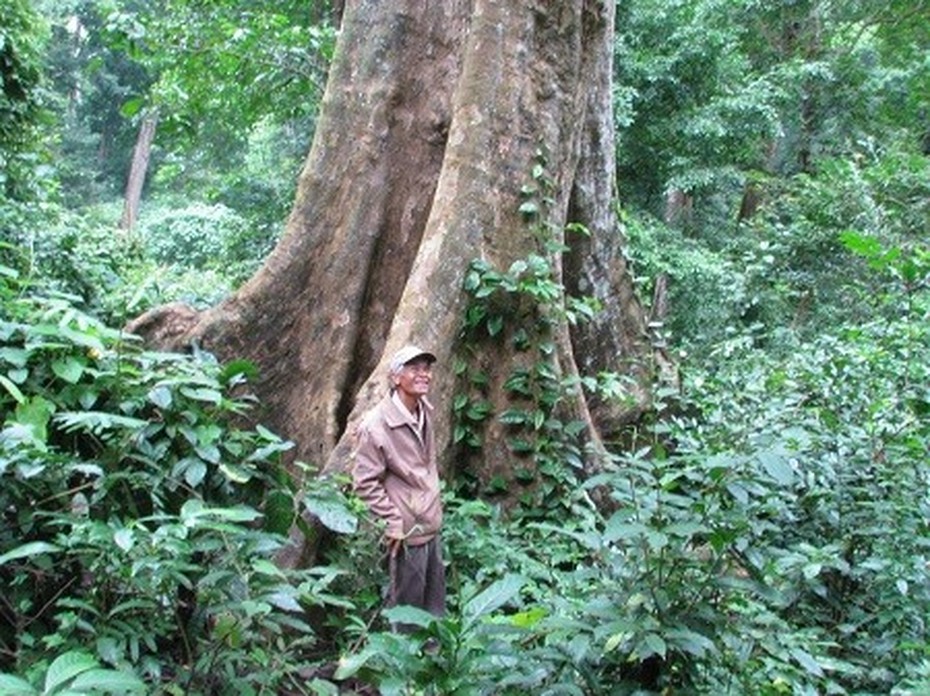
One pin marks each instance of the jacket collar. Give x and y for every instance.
(395, 416)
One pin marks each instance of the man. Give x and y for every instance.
(395, 474)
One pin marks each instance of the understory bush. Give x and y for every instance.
(767, 534)
(786, 267)
(107, 272)
(142, 517)
(197, 236)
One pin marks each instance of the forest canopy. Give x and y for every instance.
(681, 307)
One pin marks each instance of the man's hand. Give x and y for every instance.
(393, 546)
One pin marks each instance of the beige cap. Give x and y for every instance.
(408, 354)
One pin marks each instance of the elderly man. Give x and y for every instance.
(395, 474)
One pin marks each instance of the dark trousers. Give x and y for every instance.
(418, 578)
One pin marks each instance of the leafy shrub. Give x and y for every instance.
(787, 268)
(107, 271)
(882, 195)
(77, 254)
(145, 285)
(773, 539)
(197, 236)
(140, 516)
(708, 292)
(75, 672)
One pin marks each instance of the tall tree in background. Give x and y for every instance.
(450, 133)
(138, 169)
(21, 43)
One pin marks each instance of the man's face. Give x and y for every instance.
(414, 378)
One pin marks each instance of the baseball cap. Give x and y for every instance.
(408, 354)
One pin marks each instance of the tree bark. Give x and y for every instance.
(137, 171)
(436, 120)
(679, 208)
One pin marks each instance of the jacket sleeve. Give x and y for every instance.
(368, 472)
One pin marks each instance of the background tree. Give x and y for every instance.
(94, 75)
(21, 97)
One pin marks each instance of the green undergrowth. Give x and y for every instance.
(769, 535)
(142, 517)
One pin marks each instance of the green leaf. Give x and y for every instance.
(12, 389)
(82, 338)
(812, 570)
(17, 357)
(124, 539)
(539, 418)
(528, 618)
(69, 369)
(234, 368)
(495, 596)
(131, 107)
(66, 667)
(97, 421)
(33, 548)
(279, 512)
(35, 413)
(777, 466)
(285, 600)
(160, 396)
(405, 614)
(691, 642)
(685, 529)
(478, 411)
(14, 686)
(651, 644)
(863, 245)
(618, 528)
(616, 640)
(513, 416)
(195, 472)
(350, 665)
(211, 396)
(332, 513)
(321, 687)
(209, 453)
(656, 540)
(108, 681)
(807, 661)
(236, 474)
(266, 567)
(194, 509)
(520, 445)
(738, 491)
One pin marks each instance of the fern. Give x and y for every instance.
(97, 422)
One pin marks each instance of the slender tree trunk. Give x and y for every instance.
(679, 207)
(137, 171)
(437, 120)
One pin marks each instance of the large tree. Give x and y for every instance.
(450, 133)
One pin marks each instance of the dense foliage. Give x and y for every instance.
(763, 529)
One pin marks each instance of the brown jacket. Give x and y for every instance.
(396, 475)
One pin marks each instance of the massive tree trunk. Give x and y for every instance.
(440, 120)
